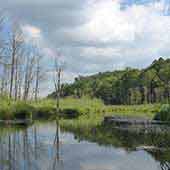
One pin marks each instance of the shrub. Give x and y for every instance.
(5, 109)
(5, 113)
(70, 113)
(164, 113)
(44, 112)
(22, 110)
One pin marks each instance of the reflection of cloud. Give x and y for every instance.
(98, 167)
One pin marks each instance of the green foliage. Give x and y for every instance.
(70, 113)
(129, 86)
(5, 108)
(10, 109)
(5, 111)
(43, 112)
(44, 109)
(94, 112)
(87, 112)
(22, 110)
(164, 113)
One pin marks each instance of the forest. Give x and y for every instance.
(128, 86)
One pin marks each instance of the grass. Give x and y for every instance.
(91, 111)
(10, 109)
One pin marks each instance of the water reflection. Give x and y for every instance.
(58, 162)
(46, 147)
(155, 144)
(24, 149)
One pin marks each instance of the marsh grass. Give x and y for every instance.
(94, 111)
(90, 111)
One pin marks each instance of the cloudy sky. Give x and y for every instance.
(96, 35)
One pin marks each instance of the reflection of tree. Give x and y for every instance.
(26, 150)
(19, 150)
(155, 144)
(35, 142)
(9, 153)
(56, 146)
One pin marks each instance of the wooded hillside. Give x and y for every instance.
(129, 86)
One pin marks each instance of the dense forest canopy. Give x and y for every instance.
(128, 86)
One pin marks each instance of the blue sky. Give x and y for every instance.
(95, 35)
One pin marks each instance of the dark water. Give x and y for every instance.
(36, 148)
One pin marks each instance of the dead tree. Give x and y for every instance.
(15, 44)
(57, 84)
(29, 75)
(5, 77)
(38, 76)
(2, 18)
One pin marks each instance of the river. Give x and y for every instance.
(35, 148)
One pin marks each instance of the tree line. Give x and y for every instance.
(128, 86)
(21, 69)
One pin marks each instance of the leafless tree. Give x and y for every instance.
(3, 58)
(39, 76)
(29, 75)
(57, 82)
(15, 44)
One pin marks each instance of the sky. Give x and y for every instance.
(95, 35)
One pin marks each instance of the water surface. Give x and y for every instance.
(35, 148)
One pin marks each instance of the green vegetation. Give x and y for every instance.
(86, 112)
(93, 112)
(164, 113)
(10, 110)
(128, 139)
(129, 93)
(129, 86)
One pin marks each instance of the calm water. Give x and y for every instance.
(36, 148)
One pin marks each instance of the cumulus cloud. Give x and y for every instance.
(109, 23)
(138, 33)
(100, 35)
(31, 31)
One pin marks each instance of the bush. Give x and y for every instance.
(164, 113)
(5, 113)
(22, 110)
(70, 113)
(44, 112)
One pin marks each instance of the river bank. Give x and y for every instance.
(90, 112)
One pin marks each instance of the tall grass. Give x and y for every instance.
(94, 111)
(10, 109)
(91, 111)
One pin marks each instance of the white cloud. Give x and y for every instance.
(98, 35)
(131, 36)
(33, 35)
(108, 23)
(32, 31)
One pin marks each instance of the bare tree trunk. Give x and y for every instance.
(12, 66)
(58, 90)
(37, 80)
(20, 84)
(16, 79)
(28, 76)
